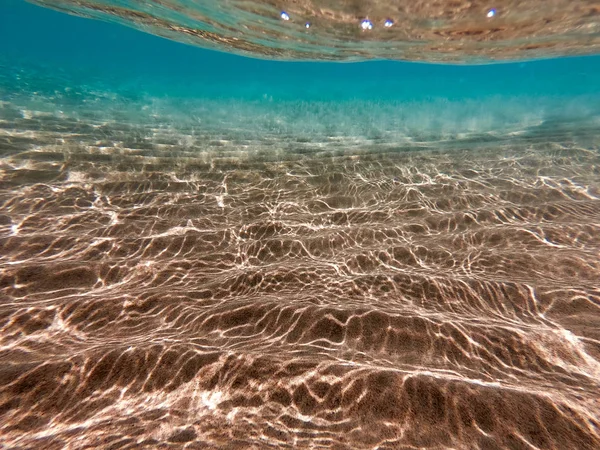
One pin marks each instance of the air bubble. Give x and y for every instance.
(284, 15)
(491, 13)
(366, 24)
(388, 23)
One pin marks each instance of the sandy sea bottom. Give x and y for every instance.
(168, 286)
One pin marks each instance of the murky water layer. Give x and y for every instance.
(165, 289)
(456, 31)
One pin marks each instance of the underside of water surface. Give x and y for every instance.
(205, 251)
(444, 31)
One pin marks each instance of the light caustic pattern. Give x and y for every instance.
(162, 296)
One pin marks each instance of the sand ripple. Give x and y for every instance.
(375, 298)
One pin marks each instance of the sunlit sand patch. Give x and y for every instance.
(354, 290)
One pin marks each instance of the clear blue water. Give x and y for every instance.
(121, 58)
(51, 51)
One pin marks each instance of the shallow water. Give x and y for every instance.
(195, 258)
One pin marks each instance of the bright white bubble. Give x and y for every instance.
(307, 25)
(491, 13)
(366, 25)
(388, 23)
(284, 15)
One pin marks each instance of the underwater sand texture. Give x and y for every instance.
(163, 289)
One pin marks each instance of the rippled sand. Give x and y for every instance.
(326, 296)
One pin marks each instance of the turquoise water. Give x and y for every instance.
(122, 58)
(205, 250)
(52, 52)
